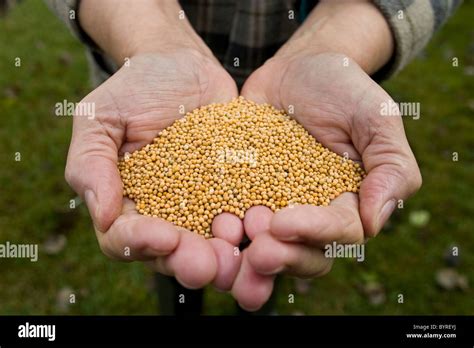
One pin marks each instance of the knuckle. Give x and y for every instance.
(350, 225)
(320, 271)
(325, 270)
(137, 245)
(137, 242)
(410, 172)
(73, 170)
(69, 174)
(417, 181)
(104, 248)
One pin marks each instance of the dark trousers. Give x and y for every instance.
(174, 299)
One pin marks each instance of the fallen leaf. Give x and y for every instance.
(449, 279)
(54, 244)
(446, 278)
(419, 218)
(63, 299)
(469, 70)
(463, 283)
(375, 292)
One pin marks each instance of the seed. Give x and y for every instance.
(228, 158)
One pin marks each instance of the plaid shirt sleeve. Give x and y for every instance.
(245, 33)
(66, 10)
(413, 23)
(101, 66)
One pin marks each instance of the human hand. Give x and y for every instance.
(131, 107)
(339, 104)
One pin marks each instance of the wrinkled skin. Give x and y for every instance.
(339, 105)
(130, 109)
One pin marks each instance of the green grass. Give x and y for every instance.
(34, 199)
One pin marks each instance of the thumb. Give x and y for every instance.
(381, 191)
(263, 85)
(392, 171)
(92, 172)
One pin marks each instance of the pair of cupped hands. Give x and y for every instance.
(331, 96)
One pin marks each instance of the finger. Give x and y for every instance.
(262, 87)
(216, 90)
(251, 289)
(193, 263)
(228, 263)
(382, 189)
(136, 237)
(270, 256)
(257, 220)
(175, 251)
(91, 170)
(228, 227)
(393, 173)
(318, 225)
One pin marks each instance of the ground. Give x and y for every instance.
(403, 259)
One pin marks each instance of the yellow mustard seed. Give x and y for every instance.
(228, 158)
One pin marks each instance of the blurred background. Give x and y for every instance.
(411, 257)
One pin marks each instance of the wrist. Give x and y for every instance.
(126, 28)
(354, 28)
(150, 42)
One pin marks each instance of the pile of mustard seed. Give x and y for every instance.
(228, 158)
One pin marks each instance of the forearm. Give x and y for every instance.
(124, 28)
(355, 28)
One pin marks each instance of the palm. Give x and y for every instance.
(327, 98)
(340, 106)
(131, 107)
(152, 92)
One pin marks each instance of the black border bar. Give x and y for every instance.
(288, 330)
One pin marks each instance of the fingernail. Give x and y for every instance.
(385, 213)
(91, 202)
